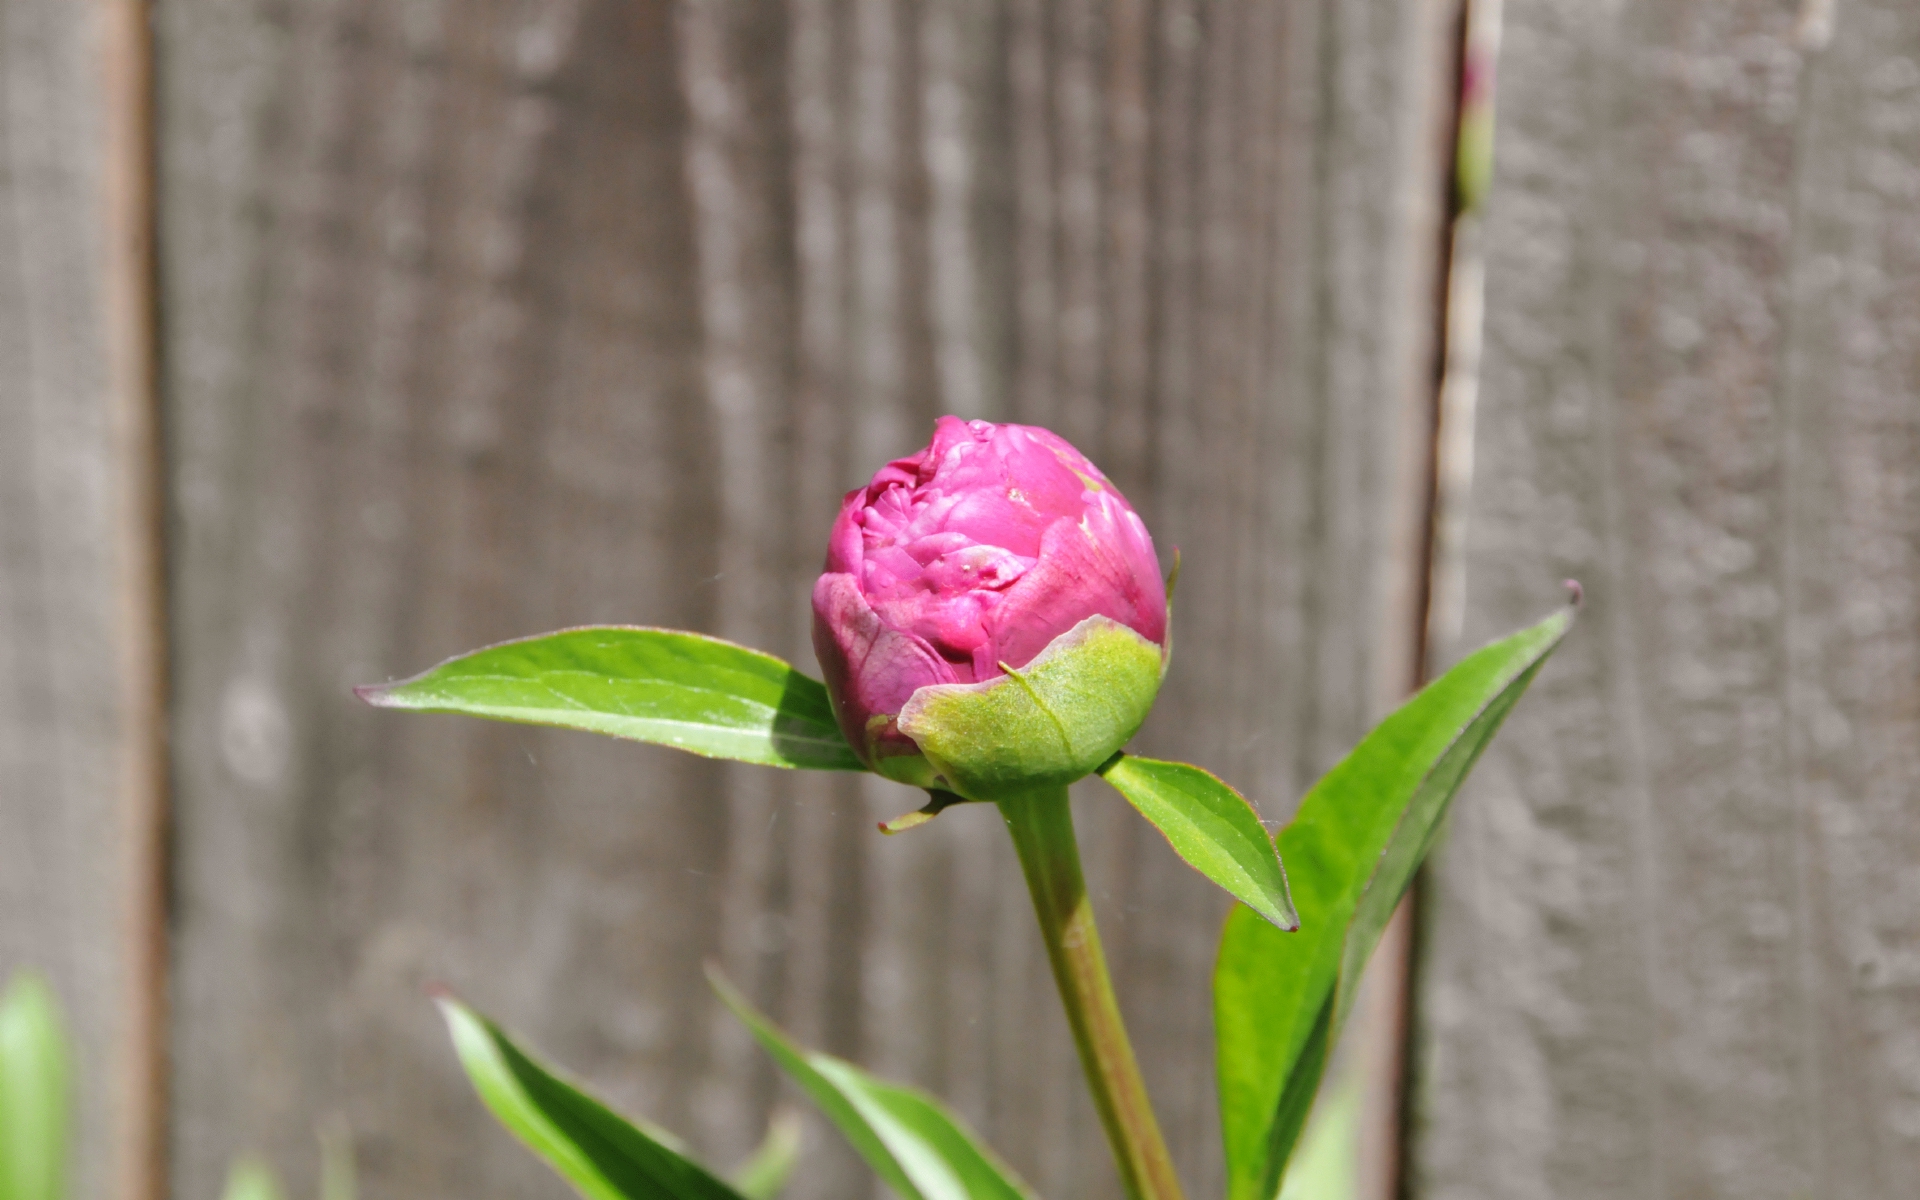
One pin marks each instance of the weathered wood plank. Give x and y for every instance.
(1672, 934)
(485, 320)
(81, 774)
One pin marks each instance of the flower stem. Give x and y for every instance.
(1042, 829)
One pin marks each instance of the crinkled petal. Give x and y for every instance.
(870, 667)
(1090, 567)
(1007, 486)
(846, 545)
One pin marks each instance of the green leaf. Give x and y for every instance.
(251, 1179)
(762, 1176)
(602, 1154)
(34, 1100)
(1351, 851)
(1326, 1166)
(1212, 827)
(684, 690)
(912, 1143)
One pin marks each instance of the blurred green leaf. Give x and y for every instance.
(1351, 851)
(1326, 1167)
(664, 686)
(336, 1161)
(34, 1099)
(762, 1176)
(912, 1143)
(1212, 827)
(251, 1179)
(602, 1154)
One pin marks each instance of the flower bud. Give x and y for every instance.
(992, 617)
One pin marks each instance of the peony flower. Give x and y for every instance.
(996, 558)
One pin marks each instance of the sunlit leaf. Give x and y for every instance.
(1351, 851)
(602, 1154)
(684, 690)
(912, 1143)
(1212, 827)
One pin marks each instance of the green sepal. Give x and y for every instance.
(891, 761)
(1166, 646)
(1055, 720)
(937, 803)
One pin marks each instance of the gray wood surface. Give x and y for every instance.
(1672, 941)
(80, 773)
(483, 319)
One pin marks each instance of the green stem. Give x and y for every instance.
(1042, 828)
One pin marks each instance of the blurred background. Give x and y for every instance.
(338, 336)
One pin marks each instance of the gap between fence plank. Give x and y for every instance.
(133, 406)
(1383, 1024)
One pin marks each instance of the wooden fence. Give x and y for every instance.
(1675, 941)
(469, 320)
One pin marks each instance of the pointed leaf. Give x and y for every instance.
(665, 686)
(1212, 827)
(1351, 851)
(762, 1176)
(602, 1154)
(912, 1143)
(34, 1071)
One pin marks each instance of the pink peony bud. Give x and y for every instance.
(976, 555)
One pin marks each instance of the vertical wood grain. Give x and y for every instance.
(1672, 929)
(484, 319)
(82, 762)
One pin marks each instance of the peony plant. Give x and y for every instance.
(992, 625)
(36, 1065)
